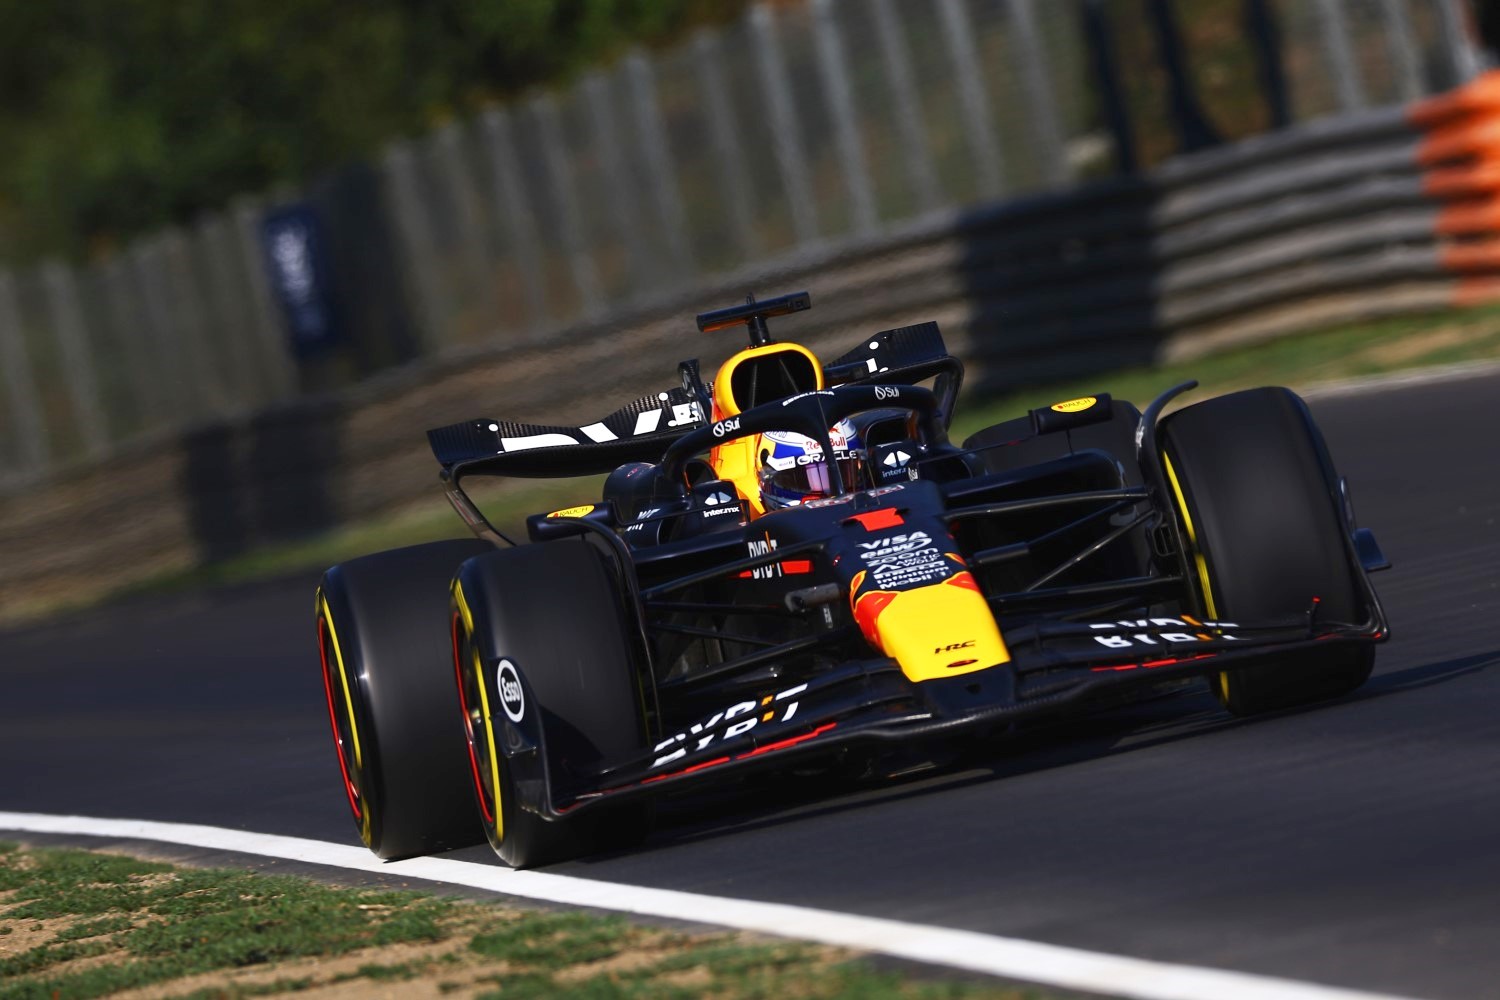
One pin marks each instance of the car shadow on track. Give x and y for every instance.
(758, 804)
(1426, 675)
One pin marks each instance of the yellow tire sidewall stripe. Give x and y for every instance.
(365, 818)
(484, 704)
(1198, 560)
(338, 655)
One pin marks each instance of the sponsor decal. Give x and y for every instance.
(578, 511)
(726, 426)
(645, 423)
(803, 395)
(512, 698)
(887, 392)
(717, 511)
(685, 413)
(1160, 631)
(813, 457)
(1074, 405)
(714, 499)
(761, 547)
(736, 720)
(917, 570)
(806, 450)
(896, 459)
(954, 647)
(899, 562)
(893, 547)
(642, 518)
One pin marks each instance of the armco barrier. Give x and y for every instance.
(1376, 213)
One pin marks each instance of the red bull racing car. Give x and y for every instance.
(796, 564)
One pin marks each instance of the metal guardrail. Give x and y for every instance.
(190, 446)
(801, 132)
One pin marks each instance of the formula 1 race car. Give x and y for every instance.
(796, 565)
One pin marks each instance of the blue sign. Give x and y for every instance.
(300, 276)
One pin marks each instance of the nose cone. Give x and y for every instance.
(939, 630)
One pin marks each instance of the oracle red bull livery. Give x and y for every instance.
(794, 563)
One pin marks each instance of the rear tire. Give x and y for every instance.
(385, 651)
(553, 612)
(1256, 492)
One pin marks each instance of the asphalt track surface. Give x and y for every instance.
(1356, 844)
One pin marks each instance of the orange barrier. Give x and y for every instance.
(1460, 159)
(1480, 95)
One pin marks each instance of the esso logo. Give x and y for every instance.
(887, 392)
(726, 427)
(512, 698)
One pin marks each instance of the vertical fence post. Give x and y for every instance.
(708, 52)
(786, 137)
(1334, 27)
(1099, 36)
(270, 337)
(515, 214)
(908, 117)
(226, 309)
(652, 134)
(1401, 41)
(1194, 130)
(622, 200)
(1463, 56)
(1030, 54)
(979, 125)
(580, 260)
(25, 404)
(835, 76)
(78, 363)
(171, 396)
(1264, 29)
(126, 314)
(418, 248)
(458, 183)
(194, 338)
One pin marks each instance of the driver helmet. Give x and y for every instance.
(793, 471)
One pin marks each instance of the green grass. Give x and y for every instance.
(95, 924)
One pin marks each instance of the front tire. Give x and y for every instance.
(1255, 490)
(384, 647)
(548, 687)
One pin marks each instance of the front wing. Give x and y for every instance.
(866, 703)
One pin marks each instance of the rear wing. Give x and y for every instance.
(903, 356)
(642, 430)
(637, 432)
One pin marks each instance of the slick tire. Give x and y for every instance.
(387, 660)
(549, 618)
(1255, 490)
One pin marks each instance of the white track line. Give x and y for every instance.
(1070, 968)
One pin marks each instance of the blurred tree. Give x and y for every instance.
(119, 116)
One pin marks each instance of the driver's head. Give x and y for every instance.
(793, 469)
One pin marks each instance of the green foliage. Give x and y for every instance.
(119, 116)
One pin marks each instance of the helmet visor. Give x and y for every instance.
(811, 480)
